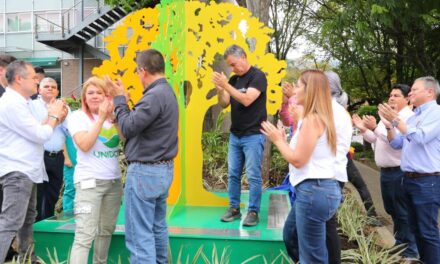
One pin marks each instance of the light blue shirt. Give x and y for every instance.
(421, 144)
(39, 111)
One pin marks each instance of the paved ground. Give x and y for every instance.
(372, 179)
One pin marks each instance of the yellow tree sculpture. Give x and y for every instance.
(191, 35)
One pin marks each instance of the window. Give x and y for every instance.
(20, 22)
(1, 23)
(48, 21)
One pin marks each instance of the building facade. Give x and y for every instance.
(21, 22)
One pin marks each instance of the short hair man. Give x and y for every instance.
(391, 176)
(419, 139)
(151, 132)
(21, 156)
(40, 76)
(246, 93)
(4, 62)
(48, 192)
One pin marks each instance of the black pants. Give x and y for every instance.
(48, 192)
(354, 176)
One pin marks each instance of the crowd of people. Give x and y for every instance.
(44, 143)
(36, 143)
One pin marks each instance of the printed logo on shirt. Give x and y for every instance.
(109, 137)
(106, 154)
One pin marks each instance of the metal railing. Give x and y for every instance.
(69, 18)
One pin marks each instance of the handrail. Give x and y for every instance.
(68, 22)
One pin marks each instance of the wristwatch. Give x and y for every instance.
(55, 117)
(395, 123)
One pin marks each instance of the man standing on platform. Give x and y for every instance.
(151, 132)
(419, 139)
(21, 157)
(49, 191)
(391, 176)
(246, 93)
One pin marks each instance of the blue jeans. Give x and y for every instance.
(146, 192)
(394, 202)
(423, 199)
(246, 150)
(317, 200)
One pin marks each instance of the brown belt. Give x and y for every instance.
(411, 174)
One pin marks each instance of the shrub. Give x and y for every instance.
(368, 110)
(73, 103)
(358, 147)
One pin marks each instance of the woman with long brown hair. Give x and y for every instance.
(311, 156)
(97, 175)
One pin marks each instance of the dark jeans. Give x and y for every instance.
(49, 192)
(422, 196)
(18, 213)
(355, 177)
(394, 202)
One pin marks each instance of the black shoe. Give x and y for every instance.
(251, 219)
(231, 214)
(11, 254)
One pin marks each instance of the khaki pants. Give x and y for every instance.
(96, 212)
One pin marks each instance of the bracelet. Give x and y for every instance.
(389, 128)
(55, 117)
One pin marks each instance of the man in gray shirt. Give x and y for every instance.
(151, 132)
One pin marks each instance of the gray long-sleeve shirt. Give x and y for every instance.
(151, 126)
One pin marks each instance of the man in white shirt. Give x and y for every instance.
(21, 156)
(388, 159)
(49, 191)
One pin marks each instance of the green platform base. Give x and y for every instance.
(190, 229)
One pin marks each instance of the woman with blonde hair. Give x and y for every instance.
(97, 174)
(311, 156)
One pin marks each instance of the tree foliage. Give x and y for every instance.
(378, 42)
(130, 4)
(288, 20)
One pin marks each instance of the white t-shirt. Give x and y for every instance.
(101, 161)
(321, 164)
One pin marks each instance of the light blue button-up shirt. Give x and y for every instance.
(421, 144)
(39, 111)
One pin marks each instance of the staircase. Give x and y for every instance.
(78, 25)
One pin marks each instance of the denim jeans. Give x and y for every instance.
(317, 200)
(18, 213)
(394, 202)
(96, 212)
(290, 237)
(146, 231)
(422, 195)
(246, 150)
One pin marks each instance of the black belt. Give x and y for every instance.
(150, 162)
(411, 174)
(52, 153)
(397, 168)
